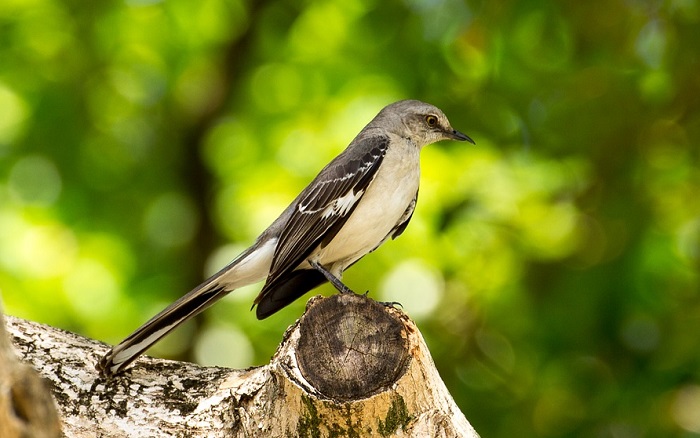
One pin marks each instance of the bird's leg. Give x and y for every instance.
(335, 281)
(342, 288)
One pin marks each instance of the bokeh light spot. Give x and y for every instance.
(641, 333)
(277, 87)
(44, 250)
(13, 113)
(91, 288)
(35, 180)
(686, 408)
(171, 220)
(224, 346)
(651, 44)
(497, 348)
(416, 286)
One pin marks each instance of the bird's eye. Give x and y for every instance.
(431, 121)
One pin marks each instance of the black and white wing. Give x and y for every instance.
(324, 206)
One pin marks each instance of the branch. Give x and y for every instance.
(26, 406)
(349, 367)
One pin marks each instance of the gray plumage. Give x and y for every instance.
(366, 195)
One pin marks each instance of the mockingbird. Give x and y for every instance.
(360, 199)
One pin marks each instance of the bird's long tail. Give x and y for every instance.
(250, 267)
(185, 308)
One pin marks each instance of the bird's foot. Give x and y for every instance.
(343, 289)
(385, 303)
(390, 304)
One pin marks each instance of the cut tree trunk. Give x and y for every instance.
(350, 367)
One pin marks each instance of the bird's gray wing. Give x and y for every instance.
(324, 206)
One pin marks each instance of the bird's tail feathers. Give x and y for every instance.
(249, 267)
(286, 289)
(185, 308)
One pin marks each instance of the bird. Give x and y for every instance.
(363, 197)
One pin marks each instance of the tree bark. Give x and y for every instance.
(350, 367)
(26, 407)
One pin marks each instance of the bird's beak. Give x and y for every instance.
(456, 135)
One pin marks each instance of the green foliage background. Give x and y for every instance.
(552, 268)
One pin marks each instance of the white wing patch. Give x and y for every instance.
(341, 206)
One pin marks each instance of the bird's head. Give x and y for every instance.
(421, 122)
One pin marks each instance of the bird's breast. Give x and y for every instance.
(377, 213)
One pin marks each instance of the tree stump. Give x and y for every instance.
(350, 367)
(350, 347)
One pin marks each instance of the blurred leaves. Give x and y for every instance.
(553, 268)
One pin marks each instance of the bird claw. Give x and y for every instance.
(345, 290)
(385, 303)
(391, 304)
